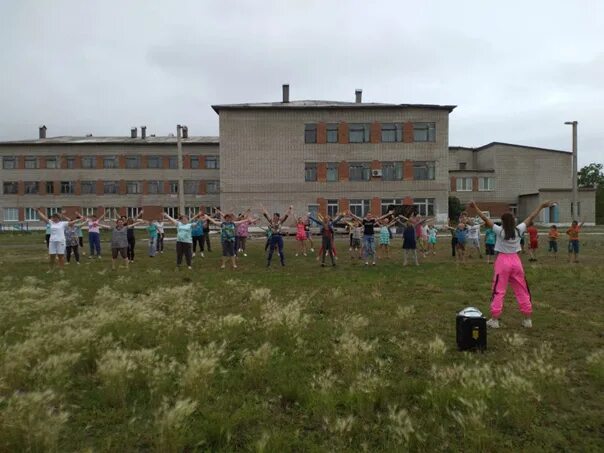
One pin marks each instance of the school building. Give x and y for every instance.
(319, 156)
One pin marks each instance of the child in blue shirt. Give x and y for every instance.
(489, 243)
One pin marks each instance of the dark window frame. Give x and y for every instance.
(310, 133)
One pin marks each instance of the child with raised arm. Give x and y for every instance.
(275, 226)
(553, 235)
(432, 232)
(533, 242)
(301, 236)
(385, 237)
(473, 237)
(508, 266)
(369, 223)
(489, 244)
(327, 235)
(573, 241)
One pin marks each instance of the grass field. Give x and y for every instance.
(300, 358)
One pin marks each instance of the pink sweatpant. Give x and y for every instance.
(508, 269)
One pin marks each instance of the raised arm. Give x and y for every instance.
(140, 214)
(210, 219)
(171, 219)
(287, 214)
(354, 216)
(42, 216)
(64, 216)
(388, 214)
(488, 222)
(531, 217)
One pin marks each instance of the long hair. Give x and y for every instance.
(508, 222)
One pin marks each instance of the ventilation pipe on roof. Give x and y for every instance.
(185, 132)
(143, 132)
(133, 132)
(42, 132)
(358, 96)
(285, 93)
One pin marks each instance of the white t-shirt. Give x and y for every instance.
(160, 227)
(473, 231)
(57, 231)
(511, 245)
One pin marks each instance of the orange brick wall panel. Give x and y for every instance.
(121, 160)
(20, 188)
(42, 188)
(99, 187)
(21, 162)
(343, 133)
(322, 171)
(202, 162)
(453, 184)
(21, 214)
(496, 209)
(322, 202)
(63, 162)
(376, 132)
(70, 211)
(321, 133)
(343, 171)
(122, 187)
(152, 212)
(344, 204)
(408, 170)
(78, 188)
(376, 206)
(408, 132)
(145, 187)
(407, 201)
(203, 187)
(122, 211)
(99, 161)
(186, 162)
(474, 183)
(166, 162)
(376, 165)
(143, 161)
(78, 161)
(57, 187)
(167, 187)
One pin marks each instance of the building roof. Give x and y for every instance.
(490, 145)
(313, 104)
(468, 170)
(91, 140)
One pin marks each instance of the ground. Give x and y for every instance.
(298, 358)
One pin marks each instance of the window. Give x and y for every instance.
(332, 208)
(172, 162)
(70, 162)
(194, 161)
(50, 187)
(464, 184)
(387, 203)
(360, 208)
(172, 211)
(392, 132)
(32, 187)
(133, 162)
(310, 171)
(9, 163)
(87, 187)
(425, 206)
(133, 212)
(514, 209)
(110, 187)
(52, 211)
(134, 187)
(110, 162)
(154, 162)
(191, 187)
(423, 170)
(31, 163)
(155, 187)
(392, 171)
(424, 132)
(485, 184)
(191, 211)
(212, 162)
(88, 212)
(173, 187)
(310, 133)
(11, 214)
(358, 133)
(11, 188)
(67, 187)
(359, 171)
(52, 163)
(463, 165)
(89, 162)
(333, 171)
(208, 210)
(213, 186)
(332, 133)
(31, 215)
(112, 213)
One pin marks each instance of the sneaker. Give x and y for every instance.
(193, 255)
(312, 250)
(304, 254)
(201, 254)
(245, 254)
(234, 266)
(222, 267)
(78, 263)
(189, 267)
(366, 263)
(527, 323)
(296, 254)
(493, 323)
(373, 263)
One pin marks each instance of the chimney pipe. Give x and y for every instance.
(358, 96)
(133, 132)
(143, 132)
(42, 132)
(285, 93)
(185, 132)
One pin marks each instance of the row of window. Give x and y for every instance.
(109, 162)
(361, 207)
(361, 171)
(109, 187)
(361, 132)
(111, 213)
(485, 184)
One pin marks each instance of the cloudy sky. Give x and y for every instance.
(516, 69)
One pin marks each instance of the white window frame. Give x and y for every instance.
(159, 184)
(29, 159)
(423, 206)
(459, 186)
(191, 211)
(68, 184)
(112, 213)
(215, 184)
(88, 211)
(172, 211)
(56, 165)
(138, 187)
(216, 162)
(31, 215)
(88, 183)
(91, 159)
(13, 163)
(490, 184)
(8, 217)
(363, 204)
(52, 211)
(385, 202)
(111, 183)
(191, 186)
(331, 204)
(133, 212)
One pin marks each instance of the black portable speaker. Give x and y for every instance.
(471, 330)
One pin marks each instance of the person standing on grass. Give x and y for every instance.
(275, 226)
(80, 237)
(301, 236)
(94, 234)
(489, 244)
(553, 236)
(369, 223)
(461, 237)
(508, 266)
(473, 240)
(72, 243)
(243, 232)
(56, 241)
(432, 232)
(197, 236)
(410, 242)
(533, 242)
(206, 237)
(153, 231)
(159, 237)
(327, 232)
(307, 226)
(573, 241)
(385, 236)
(47, 235)
(453, 238)
(119, 242)
(184, 240)
(228, 229)
(130, 224)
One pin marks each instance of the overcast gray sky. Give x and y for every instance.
(516, 69)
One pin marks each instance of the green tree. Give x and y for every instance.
(591, 176)
(455, 208)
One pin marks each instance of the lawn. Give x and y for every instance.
(300, 358)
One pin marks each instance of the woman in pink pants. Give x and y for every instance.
(508, 267)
